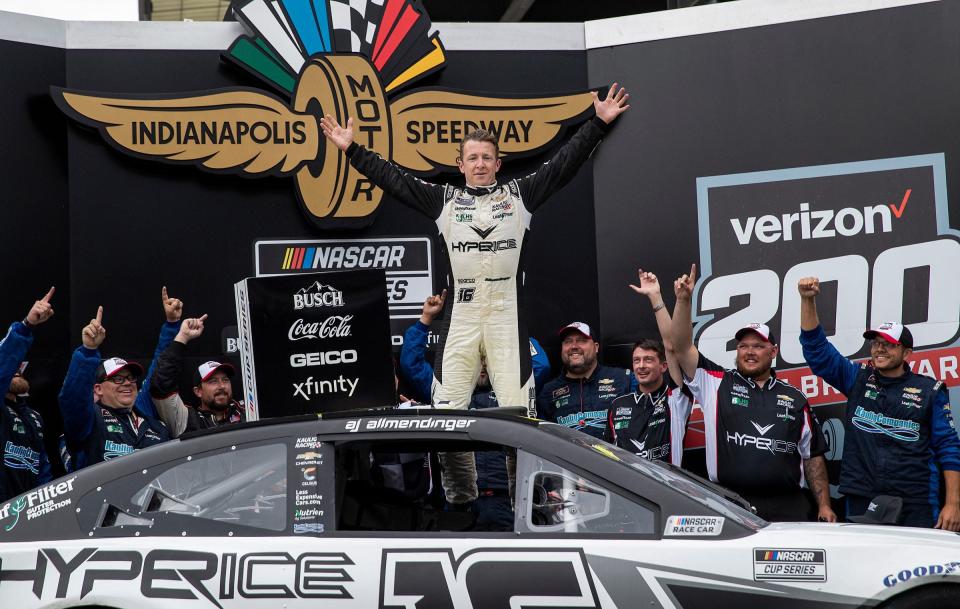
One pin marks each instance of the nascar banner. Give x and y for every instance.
(315, 342)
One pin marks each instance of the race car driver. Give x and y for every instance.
(494, 475)
(762, 439)
(898, 427)
(651, 422)
(483, 225)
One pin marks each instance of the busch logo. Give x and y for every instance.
(317, 295)
(335, 326)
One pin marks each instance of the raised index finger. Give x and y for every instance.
(163, 293)
(693, 272)
(99, 313)
(49, 294)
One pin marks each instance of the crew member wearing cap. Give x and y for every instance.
(211, 387)
(581, 395)
(762, 440)
(899, 432)
(104, 414)
(25, 464)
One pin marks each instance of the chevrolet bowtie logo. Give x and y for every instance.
(483, 233)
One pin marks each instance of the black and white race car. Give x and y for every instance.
(284, 513)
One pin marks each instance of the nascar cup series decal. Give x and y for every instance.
(681, 526)
(324, 60)
(805, 565)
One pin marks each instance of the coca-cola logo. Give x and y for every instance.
(335, 326)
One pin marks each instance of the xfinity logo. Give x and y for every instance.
(485, 246)
(301, 360)
(314, 387)
(819, 224)
(335, 326)
(317, 295)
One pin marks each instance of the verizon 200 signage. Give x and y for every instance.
(877, 235)
(314, 343)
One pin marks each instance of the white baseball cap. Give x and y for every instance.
(762, 329)
(577, 326)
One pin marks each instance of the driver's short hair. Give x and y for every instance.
(480, 135)
(650, 344)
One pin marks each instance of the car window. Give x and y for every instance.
(556, 500)
(664, 474)
(245, 486)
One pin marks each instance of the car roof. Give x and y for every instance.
(516, 414)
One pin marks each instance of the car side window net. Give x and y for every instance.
(244, 486)
(556, 500)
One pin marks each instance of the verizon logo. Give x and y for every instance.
(819, 224)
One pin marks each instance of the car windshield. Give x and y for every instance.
(661, 472)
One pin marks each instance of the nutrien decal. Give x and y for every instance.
(324, 58)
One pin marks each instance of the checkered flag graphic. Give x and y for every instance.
(354, 24)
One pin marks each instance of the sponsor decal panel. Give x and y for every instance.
(685, 526)
(206, 576)
(407, 262)
(36, 503)
(789, 564)
(928, 570)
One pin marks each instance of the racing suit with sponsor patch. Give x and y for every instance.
(25, 463)
(484, 229)
(651, 425)
(582, 403)
(897, 431)
(757, 438)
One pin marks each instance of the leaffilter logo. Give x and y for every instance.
(292, 47)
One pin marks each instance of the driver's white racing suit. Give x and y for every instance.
(483, 229)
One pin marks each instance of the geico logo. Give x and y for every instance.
(369, 256)
(485, 246)
(325, 299)
(769, 444)
(817, 224)
(302, 360)
(335, 326)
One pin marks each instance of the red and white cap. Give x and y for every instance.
(762, 329)
(577, 326)
(206, 370)
(893, 332)
(114, 365)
